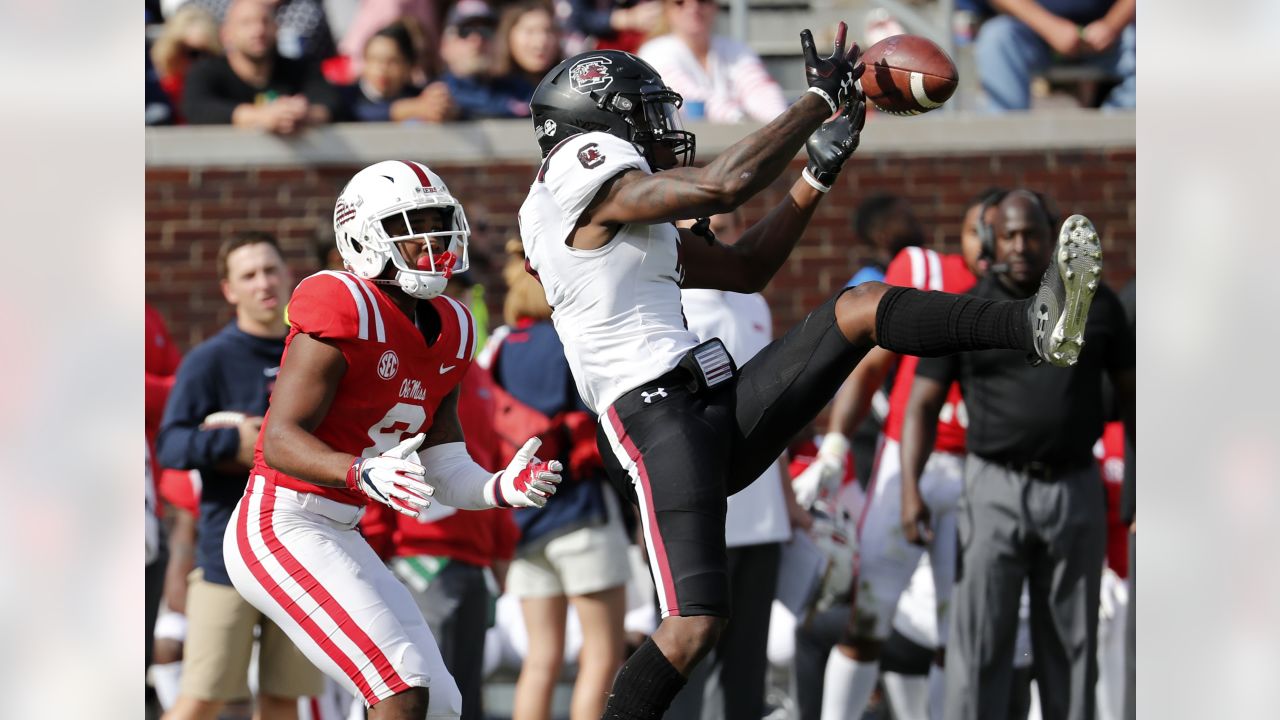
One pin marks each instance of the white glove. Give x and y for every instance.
(527, 481)
(392, 479)
(824, 473)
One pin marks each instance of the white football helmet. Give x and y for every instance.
(395, 188)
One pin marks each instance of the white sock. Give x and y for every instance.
(165, 679)
(937, 691)
(908, 695)
(846, 686)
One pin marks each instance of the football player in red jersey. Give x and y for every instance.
(365, 408)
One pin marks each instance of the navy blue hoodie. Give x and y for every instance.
(232, 370)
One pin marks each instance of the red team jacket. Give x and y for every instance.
(927, 270)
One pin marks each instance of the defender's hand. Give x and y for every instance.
(393, 480)
(830, 145)
(915, 518)
(527, 481)
(832, 77)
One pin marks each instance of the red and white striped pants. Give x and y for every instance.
(298, 558)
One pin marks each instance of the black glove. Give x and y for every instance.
(831, 78)
(830, 145)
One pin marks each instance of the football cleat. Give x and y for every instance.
(1061, 306)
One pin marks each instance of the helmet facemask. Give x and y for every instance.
(444, 252)
(661, 127)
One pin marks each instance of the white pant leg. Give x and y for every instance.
(1112, 620)
(941, 485)
(299, 559)
(886, 559)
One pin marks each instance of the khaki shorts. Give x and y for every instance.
(215, 663)
(579, 562)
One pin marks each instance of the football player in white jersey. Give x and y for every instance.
(681, 426)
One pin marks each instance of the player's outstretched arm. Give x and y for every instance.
(744, 169)
(463, 484)
(749, 264)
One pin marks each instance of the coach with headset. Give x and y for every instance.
(1034, 504)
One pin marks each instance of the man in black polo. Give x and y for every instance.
(1034, 504)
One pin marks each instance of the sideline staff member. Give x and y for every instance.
(1034, 504)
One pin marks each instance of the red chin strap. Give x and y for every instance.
(444, 263)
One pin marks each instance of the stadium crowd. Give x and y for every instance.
(280, 65)
(538, 600)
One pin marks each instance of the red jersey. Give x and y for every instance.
(160, 361)
(181, 489)
(1109, 450)
(476, 537)
(394, 380)
(927, 270)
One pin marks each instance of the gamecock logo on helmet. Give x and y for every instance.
(388, 364)
(590, 74)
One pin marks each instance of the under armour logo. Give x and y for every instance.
(649, 396)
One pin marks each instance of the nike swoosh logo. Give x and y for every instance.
(446, 368)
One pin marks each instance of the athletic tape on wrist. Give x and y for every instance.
(458, 480)
(823, 94)
(813, 181)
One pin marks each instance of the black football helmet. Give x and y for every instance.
(615, 92)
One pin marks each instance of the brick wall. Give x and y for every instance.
(188, 212)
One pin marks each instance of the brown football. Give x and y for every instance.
(907, 75)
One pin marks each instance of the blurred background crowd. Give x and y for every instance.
(281, 65)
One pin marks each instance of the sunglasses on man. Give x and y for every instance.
(484, 31)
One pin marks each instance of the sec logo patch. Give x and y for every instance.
(388, 364)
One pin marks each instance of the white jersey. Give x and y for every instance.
(617, 309)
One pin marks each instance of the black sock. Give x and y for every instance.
(929, 324)
(645, 686)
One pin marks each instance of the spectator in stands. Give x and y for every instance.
(606, 24)
(303, 34)
(721, 79)
(1031, 35)
(526, 47)
(467, 50)
(159, 110)
(373, 15)
(386, 91)
(573, 551)
(233, 372)
(252, 85)
(191, 34)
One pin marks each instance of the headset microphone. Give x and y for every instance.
(998, 268)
